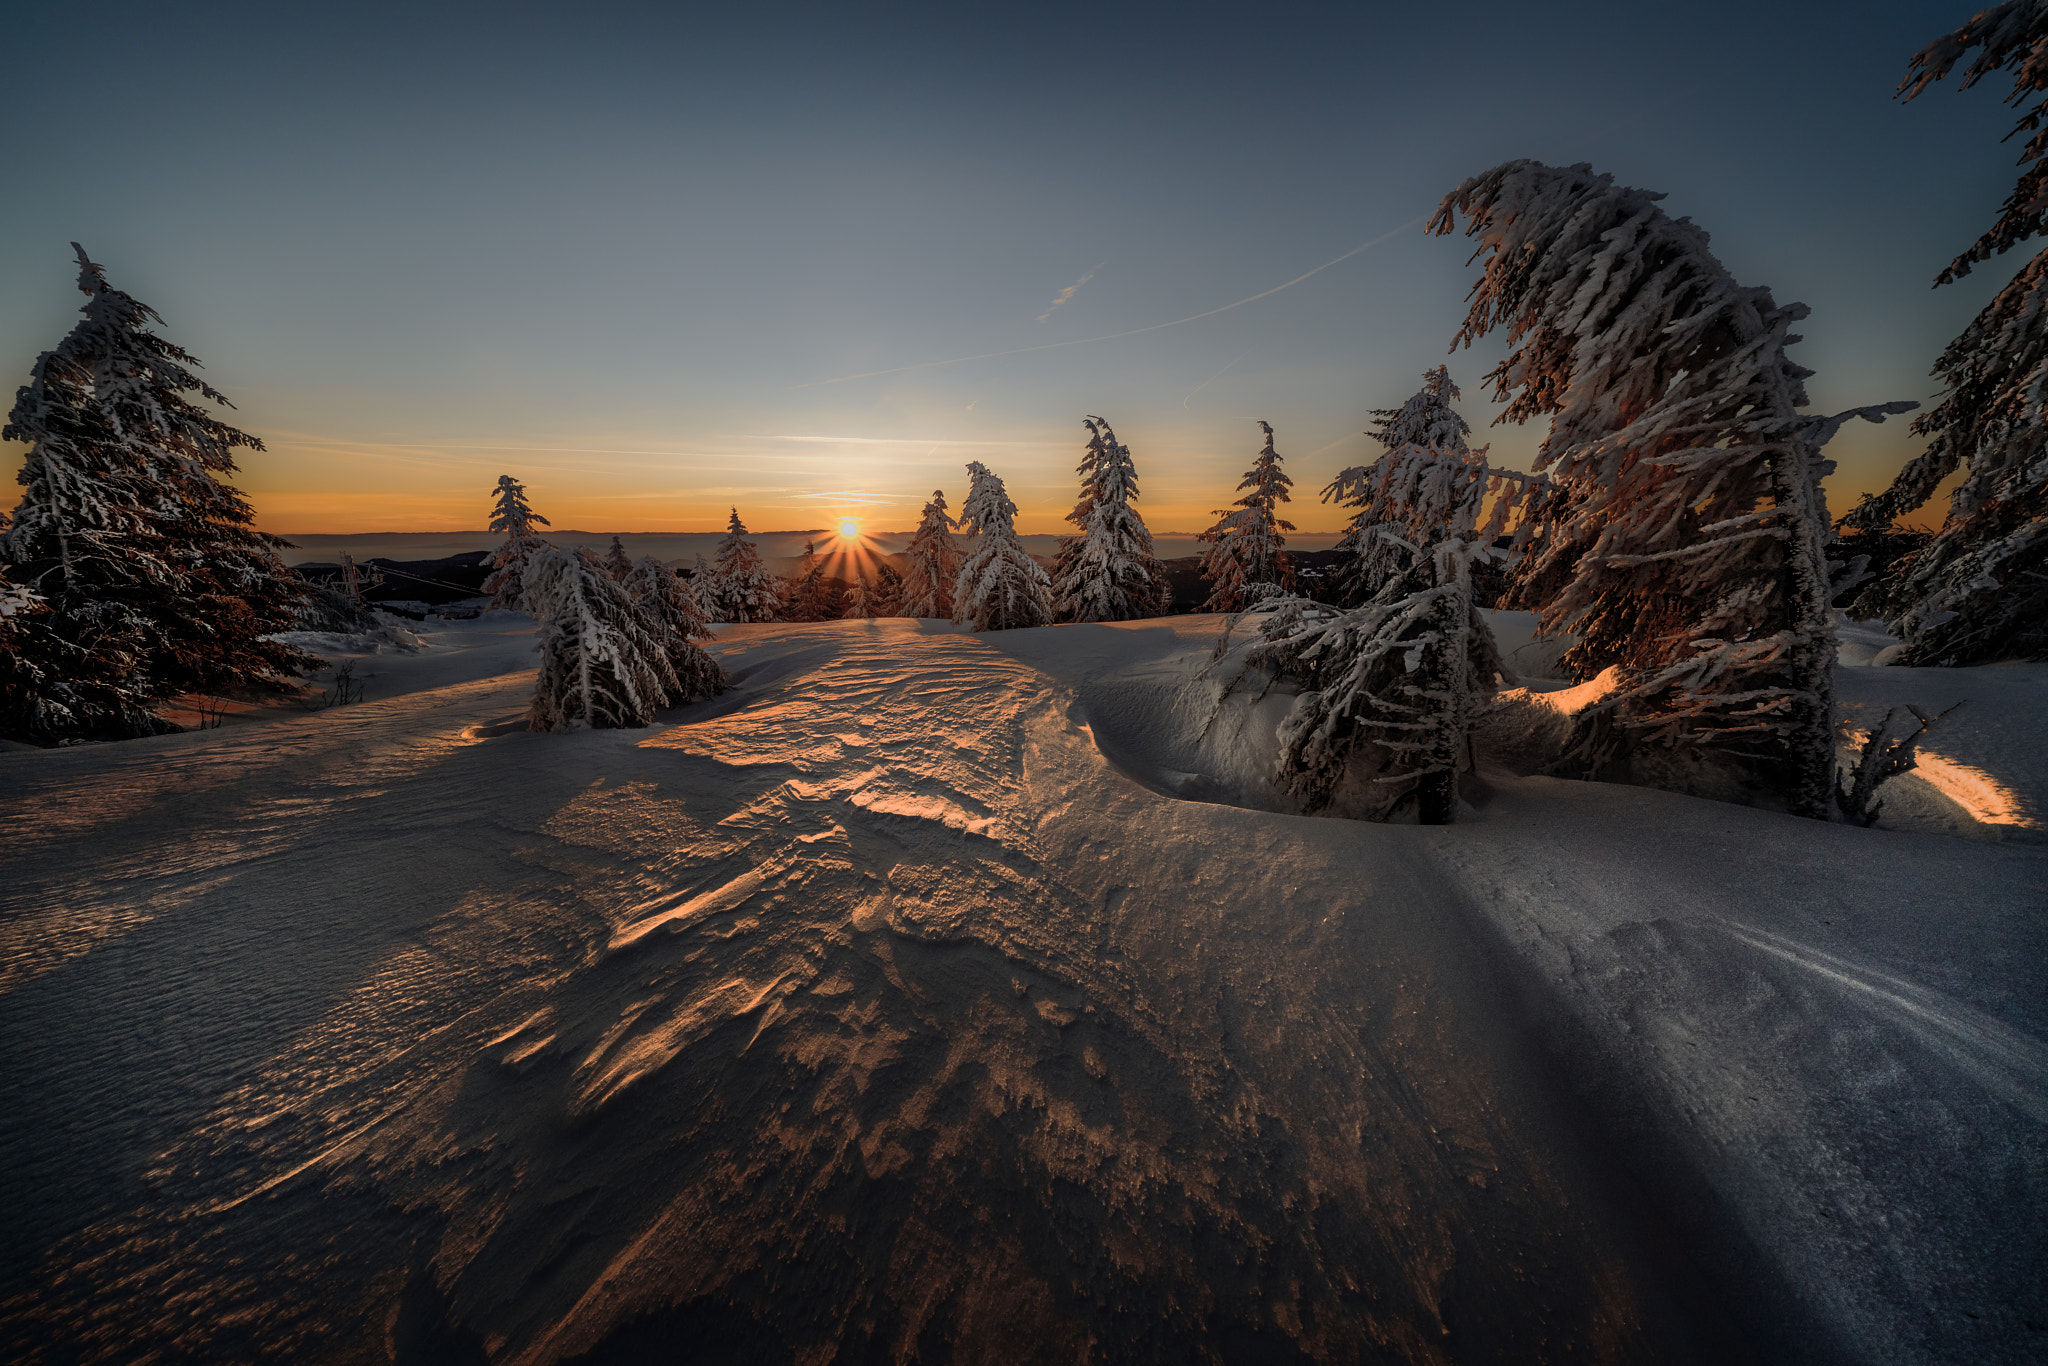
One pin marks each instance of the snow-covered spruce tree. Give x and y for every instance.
(602, 664)
(1686, 545)
(515, 520)
(617, 562)
(1979, 590)
(1246, 544)
(679, 622)
(1426, 423)
(1398, 681)
(742, 589)
(1108, 572)
(860, 600)
(154, 581)
(933, 564)
(810, 598)
(703, 583)
(887, 594)
(1000, 586)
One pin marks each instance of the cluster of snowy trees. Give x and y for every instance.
(618, 636)
(130, 572)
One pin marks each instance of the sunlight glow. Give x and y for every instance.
(849, 528)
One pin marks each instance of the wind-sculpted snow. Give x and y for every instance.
(863, 1014)
(867, 1012)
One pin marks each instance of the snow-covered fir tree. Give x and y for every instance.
(703, 585)
(602, 663)
(617, 562)
(809, 598)
(153, 581)
(1978, 591)
(860, 600)
(887, 594)
(1245, 546)
(1108, 571)
(1390, 688)
(933, 563)
(672, 608)
(1425, 428)
(742, 589)
(1686, 541)
(1000, 587)
(514, 519)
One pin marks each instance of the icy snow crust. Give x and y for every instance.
(900, 1004)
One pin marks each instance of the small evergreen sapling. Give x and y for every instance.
(617, 562)
(1108, 572)
(860, 604)
(602, 665)
(742, 589)
(887, 596)
(1245, 546)
(515, 520)
(1000, 586)
(810, 597)
(679, 623)
(933, 563)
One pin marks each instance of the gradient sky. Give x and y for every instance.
(624, 252)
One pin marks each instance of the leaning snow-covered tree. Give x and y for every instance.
(1686, 539)
(512, 517)
(1245, 545)
(1000, 586)
(1978, 591)
(679, 624)
(602, 665)
(153, 580)
(933, 563)
(1108, 572)
(741, 589)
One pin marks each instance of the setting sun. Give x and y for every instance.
(849, 527)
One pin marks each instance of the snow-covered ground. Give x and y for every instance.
(937, 996)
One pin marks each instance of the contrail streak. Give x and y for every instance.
(1084, 341)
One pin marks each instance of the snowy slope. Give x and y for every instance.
(902, 1003)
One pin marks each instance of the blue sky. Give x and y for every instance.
(622, 251)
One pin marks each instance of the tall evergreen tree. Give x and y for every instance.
(933, 563)
(1245, 545)
(1426, 423)
(1000, 586)
(1108, 572)
(602, 665)
(679, 623)
(617, 562)
(810, 598)
(742, 589)
(511, 516)
(155, 583)
(1978, 591)
(1687, 545)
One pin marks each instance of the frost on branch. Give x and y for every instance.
(1978, 592)
(1108, 572)
(512, 517)
(1888, 751)
(1245, 544)
(933, 562)
(1000, 587)
(602, 665)
(741, 588)
(678, 622)
(1685, 541)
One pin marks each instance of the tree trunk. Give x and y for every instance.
(1437, 797)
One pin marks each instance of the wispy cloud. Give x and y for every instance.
(855, 496)
(1070, 291)
(1113, 336)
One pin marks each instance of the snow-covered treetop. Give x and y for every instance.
(1106, 469)
(988, 506)
(511, 514)
(2014, 37)
(1426, 419)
